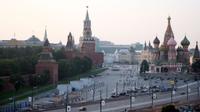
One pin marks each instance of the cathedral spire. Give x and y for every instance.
(169, 33)
(196, 53)
(169, 19)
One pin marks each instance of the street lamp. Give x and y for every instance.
(198, 86)
(132, 98)
(14, 97)
(188, 91)
(106, 91)
(100, 101)
(172, 90)
(67, 107)
(154, 96)
(117, 88)
(93, 92)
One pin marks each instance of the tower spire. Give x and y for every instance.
(169, 19)
(87, 14)
(169, 33)
(45, 33)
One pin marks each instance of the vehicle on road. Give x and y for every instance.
(82, 109)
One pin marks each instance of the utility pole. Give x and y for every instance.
(198, 87)
(66, 102)
(123, 86)
(106, 91)
(100, 102)
(117, 88)
(187, 92)
(32, 98)
(93, 93)
(14, 101)
(152, 97)
(172, 94)
(86, 97)
(172, 90)
(131, 100)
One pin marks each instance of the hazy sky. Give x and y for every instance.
(119, 21)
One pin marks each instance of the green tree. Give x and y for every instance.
(2, 82)
(144, 66)
(59, 54)
(196, 66)
(44, 78)
(17, 81)
(169, 108)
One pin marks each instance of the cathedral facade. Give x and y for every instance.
(166, 57)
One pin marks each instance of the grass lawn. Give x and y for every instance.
(23, 93)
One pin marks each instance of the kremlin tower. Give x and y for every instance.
(86, 45)
(87, 42)
(47, 63)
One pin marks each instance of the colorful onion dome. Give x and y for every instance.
(185, 42)
(156, 40)
(171, 42)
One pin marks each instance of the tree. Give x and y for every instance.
(2, 82)
(196, 66)
(59, 54)
(44, 78)
(169, 108)
(144, 66)
(17, 81)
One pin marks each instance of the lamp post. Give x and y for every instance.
(14, 96)
(172, 90)
(14, 109)
(106, 91)
(32, 98)
(117, 88)
(100, 101)
(131, 100)
(188, 91)
(152, 92)
(93, 92)
(66, 102)
(198, 86)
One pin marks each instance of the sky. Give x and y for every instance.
(119, 21)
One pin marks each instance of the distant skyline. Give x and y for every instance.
(118, 21)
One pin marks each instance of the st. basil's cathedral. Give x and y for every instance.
(166, 57)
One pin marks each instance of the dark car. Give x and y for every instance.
(82, 109)
(122, 94)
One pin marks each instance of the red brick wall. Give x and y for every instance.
(52, 67)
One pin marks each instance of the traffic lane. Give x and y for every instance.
(115, 105)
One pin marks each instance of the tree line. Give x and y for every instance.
(15, 62)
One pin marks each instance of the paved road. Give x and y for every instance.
(141, 101)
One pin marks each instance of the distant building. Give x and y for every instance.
(30, 42)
